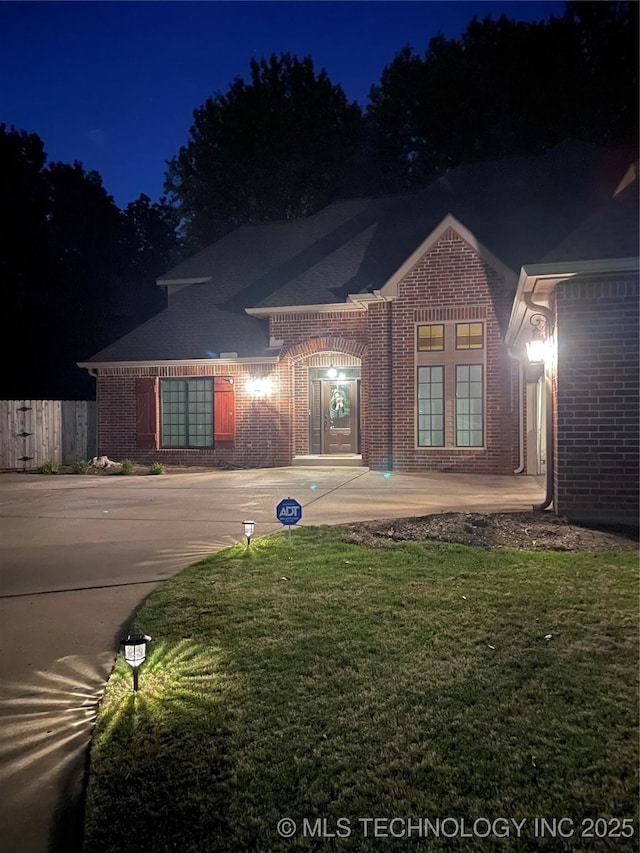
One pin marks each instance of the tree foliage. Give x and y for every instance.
(273, 147)
(506, 87)
(286, 142)
(78, 272)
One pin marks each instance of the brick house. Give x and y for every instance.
(391, 333)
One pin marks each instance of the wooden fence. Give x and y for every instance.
(33, 432)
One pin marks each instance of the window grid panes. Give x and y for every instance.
(469, 336)
(430, 338)
(187, 412)
(431, 406)
(469, 406)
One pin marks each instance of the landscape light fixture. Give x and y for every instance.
(538, 345)
(249, 527)
(135, 652)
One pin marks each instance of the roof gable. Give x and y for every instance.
(449, 223)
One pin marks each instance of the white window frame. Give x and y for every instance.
(450, 358)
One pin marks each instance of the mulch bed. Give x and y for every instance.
(530, 531)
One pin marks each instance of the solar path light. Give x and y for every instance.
(249, 527)
(135, 652)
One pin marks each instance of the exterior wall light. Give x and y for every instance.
(538, 345)
(135, 653)
(332, 373)
(260, 386)
(249, 528)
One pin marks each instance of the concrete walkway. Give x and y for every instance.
(78, 556)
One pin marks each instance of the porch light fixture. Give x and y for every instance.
(260, 386)
(538, 345)
(332, 373)
(135, 653)
(249, 528)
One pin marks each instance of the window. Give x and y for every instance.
(469, 405)
(431, 406)
(430, 338)
(469, 336)
(450, 385)
(186, 410)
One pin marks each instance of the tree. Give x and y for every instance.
(270, 148)
(23, 206)
(77, 271)
(153, 247)
(608, 37)
(505, 88)
(105, 261)
(24, 254)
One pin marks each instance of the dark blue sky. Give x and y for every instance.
(114, 85)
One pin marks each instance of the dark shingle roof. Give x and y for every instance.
(611, 232)
(191, 327)
(518, 207)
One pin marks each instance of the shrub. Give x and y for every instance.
(82, 467)
(48, 467)
(127, 466)
(156, 468)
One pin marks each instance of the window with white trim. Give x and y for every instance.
(431, 406)
(430, 338)
(469, 405)
(469, 336)
(450, 385)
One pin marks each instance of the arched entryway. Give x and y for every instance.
(327, 400)
(334, 410)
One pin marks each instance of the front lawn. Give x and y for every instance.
(332, 683)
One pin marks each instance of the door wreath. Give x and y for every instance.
(339, 403)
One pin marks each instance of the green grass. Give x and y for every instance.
(326, 679)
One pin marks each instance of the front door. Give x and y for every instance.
(340, 416)
(334, 416)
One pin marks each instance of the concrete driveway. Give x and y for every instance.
(78, 556)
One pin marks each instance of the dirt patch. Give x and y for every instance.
(530, 531)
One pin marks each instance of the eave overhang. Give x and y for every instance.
(163, 282)
(537, 283)
(179, 362)
(354, 302)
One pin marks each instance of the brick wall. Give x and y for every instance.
(300, 353)
(295, 329)
(263, 425)
(597, 410)
(452, 283)
(377, 369)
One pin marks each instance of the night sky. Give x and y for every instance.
(114, 85)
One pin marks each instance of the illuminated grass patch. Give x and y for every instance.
(330, 680)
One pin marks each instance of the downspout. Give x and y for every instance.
(521, 461)
(548, 498)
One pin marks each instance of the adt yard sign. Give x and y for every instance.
(289, 511)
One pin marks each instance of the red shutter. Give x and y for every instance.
(224, 411)
(147, 413)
